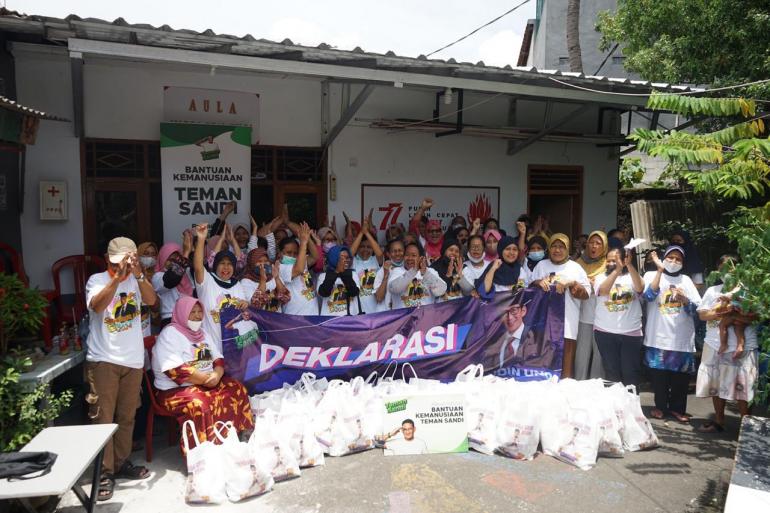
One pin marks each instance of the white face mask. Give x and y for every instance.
(474, 259)
(672, 267)
(194, 325)
(148, 261)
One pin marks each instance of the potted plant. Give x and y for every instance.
(21, 309)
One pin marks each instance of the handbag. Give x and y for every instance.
(17, 465)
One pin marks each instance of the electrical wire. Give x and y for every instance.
(486, 100)
(469, 34)
(738, 86)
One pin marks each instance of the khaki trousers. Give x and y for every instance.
(114, 398)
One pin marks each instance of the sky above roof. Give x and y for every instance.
(407, 27)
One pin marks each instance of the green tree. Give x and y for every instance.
(693, 41)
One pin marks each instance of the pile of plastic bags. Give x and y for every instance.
(298, 425)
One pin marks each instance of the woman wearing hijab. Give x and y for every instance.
(338, 286)
(504, 274)
(475, 265)
(220, 293)
(262, 282)
(536, 251)
(189, 375)
(618, 318)
(394, 251)
(564, 276)
(693, 267)
(669, 341)
(491, 239)
(241, 235)
(434, 238)
(148, 258)
(450, 269)
(171, 279)
(588, 361)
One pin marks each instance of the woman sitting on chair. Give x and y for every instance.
(189, 375)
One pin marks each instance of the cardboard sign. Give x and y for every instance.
(424, 424)
(394, 204)
(204, 167)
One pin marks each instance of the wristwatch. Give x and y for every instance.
(140, 278)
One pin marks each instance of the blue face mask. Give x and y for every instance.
(536, 256)
(288, 260)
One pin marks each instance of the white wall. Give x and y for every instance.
(123, 100)
(43, 82)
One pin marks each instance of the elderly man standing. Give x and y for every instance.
(116, 356)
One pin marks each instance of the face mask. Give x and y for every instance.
(288, 260)
(194, 325)
(672, 267)
(611, 268)
(400, 263)
(148, 261)
(327, 246)
(474, 259)
(536, 256)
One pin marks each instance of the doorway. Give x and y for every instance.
(557, 193)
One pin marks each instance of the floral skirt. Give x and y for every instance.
(721, 375)
(663, 359)
(227, 402)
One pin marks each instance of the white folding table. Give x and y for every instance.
(76, 447)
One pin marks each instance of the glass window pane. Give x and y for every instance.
(116, 216)
(300, 165)
(118, 160)
(262, 208)
(303, 206)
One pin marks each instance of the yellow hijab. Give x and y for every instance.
(564, 239)
(595, 267)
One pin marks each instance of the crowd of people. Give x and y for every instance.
(193, 295)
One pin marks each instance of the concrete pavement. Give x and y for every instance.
(688, 473)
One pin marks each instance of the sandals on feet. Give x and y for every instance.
(681, 417)
(656, 413)
(106, 488)
(131, 471)
(711, 427)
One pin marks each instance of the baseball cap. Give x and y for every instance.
(119, 247)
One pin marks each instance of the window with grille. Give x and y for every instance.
(122, 159)
(555, 181)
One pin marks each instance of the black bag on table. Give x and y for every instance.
(16, 465)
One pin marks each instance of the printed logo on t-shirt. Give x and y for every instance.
(453, 291)
(415, 293)
(124, 310)
(202, 359)
(338, 301)
(223, 301)
(620, 299)
(669, 303)
(273, 304)
(367, 277)
(308, 292)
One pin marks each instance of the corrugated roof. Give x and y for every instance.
(58, 30)
(8, 104)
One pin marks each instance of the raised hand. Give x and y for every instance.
(387, 266)
(254, 226)
(497, 264)
(285, 213)
(202, 230)
(521, 227)
(228, 209)
(427, 203)
(476, 225)
(186, 242)
(657, 261)
(304, 233)
(423, 265)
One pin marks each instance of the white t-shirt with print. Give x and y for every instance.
(167, 297)
(621, 310)
(386, 302)
(669, 326)
(250, 286)
(336, 304)
(472, 273)
(417, 293)
(116, 333)
(710, 300)
(366, 272)
(565, 273)
(304, 300)
(214, 298)
(173, 349)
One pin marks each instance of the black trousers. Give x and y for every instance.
(621, 357)
(670, 388)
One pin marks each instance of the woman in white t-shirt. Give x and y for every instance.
(669, 336)
(731, 374)
(566, 277)
(449, 267)
(617, 322)
(415, 284)
(262, 282)
(504, 274)
(367, 259)
(476, 264)
(395, 254)
(172, 277)
(189, 375)
(338, 286)
(588, 362)
(295, 275)
(220, 293)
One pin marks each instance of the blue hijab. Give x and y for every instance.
(224, 254)
(507, 275)
(333, 257)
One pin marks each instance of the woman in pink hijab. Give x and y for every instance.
(434, 239)
(491, 238)
(171, 279)
(189, 375)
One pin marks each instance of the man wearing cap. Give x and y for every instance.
(115, 355)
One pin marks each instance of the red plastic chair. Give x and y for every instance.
(17, 268)
(174, 423)
(83, 266)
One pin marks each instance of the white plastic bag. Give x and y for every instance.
(637, 430)
(271, 450)
(294, 419)
(579, 440)
(205, 469)
(518, 430)
(243, 477)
